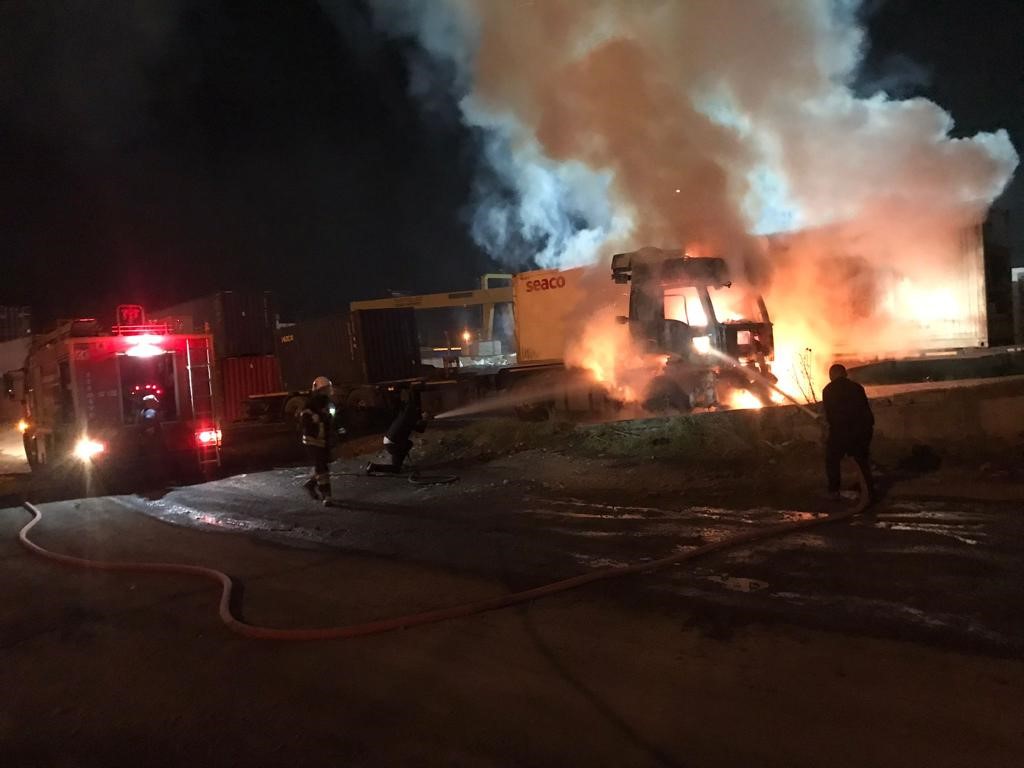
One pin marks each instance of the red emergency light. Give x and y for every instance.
(208, 437)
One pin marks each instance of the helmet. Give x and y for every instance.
(321, 382)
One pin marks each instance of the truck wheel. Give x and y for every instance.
(664, 394)
(293, 407)
(29, 441)
(358, 416)
(35, 451)
(291, 412)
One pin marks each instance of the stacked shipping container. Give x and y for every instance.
(314, 348)
(242, 324)
(15, 322)
(244, 376)
(362, 347)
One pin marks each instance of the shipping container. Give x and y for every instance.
(320, 347)
(241, 322)
(15, 322)
(544, 300)
(385, 344)
(944, 277)
(244, 376)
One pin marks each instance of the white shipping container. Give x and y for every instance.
(968, 328)
(928, 298)
(543, 301)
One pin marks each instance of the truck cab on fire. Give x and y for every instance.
(710, 346)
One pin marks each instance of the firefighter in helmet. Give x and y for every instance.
(318, 432)
(149, 413)
(396, 440)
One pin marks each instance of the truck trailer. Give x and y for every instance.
(705, 345)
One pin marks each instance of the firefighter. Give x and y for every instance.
(153, 450)
(149, 413)
(317, 420)
(396, 439)
(850, 428)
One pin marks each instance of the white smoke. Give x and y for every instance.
(674, 122)
(594, 112)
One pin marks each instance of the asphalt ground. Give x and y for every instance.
(892, 640)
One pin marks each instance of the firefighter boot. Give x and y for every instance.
(323, 490)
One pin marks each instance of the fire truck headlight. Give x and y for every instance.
(86, 449)
(22, 426)
(702, 344)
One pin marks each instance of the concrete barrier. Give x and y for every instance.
(992, 412)
(986, 419)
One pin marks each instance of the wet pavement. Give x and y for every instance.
(891, 640)
(12, 452)
(943, 572)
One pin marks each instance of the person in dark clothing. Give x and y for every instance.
(317, 420)
(396, 439)
(850, 427)
(153, 451)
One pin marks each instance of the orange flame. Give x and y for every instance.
(607, 350)
(742, 398)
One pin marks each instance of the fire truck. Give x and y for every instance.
(136, 392)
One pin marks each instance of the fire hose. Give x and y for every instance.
(432, 616)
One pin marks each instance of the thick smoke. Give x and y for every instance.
(709, 122)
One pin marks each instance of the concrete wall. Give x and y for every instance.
(969, 419)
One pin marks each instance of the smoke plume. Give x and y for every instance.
(670, 123)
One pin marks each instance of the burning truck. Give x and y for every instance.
(688, 340)
(711, 348)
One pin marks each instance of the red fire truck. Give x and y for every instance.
(137, 392)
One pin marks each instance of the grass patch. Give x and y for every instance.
(715, 436)
(488, 438)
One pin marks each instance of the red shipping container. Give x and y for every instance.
(244, 376)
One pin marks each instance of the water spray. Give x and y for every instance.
(758, 378)
(529, 394)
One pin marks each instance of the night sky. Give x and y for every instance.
(157, 151)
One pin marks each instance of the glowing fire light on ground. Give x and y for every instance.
(742, 398)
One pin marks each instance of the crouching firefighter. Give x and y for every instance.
(396, 439)
(317, 420)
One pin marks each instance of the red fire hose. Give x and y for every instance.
(426, 617)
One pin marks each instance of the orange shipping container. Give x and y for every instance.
(244, 376)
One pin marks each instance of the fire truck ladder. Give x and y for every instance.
(200, 393)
